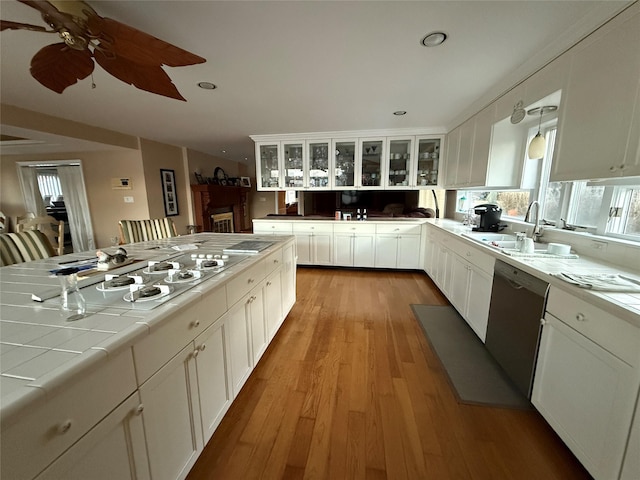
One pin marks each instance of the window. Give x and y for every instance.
(609, 207)
(49, 184)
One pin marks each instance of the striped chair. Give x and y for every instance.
(24, 247)
(132, 231)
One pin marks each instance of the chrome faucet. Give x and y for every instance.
(537, 231)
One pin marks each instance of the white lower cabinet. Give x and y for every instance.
(257, 321)
(113, 449)
(354, 245)
(314, 243)
(631, 463)
(273, 301)
(398, 246)
(172, 417)
(586, 381)
(214, 383)
(239, 359)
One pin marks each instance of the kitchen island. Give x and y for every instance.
(134, 389)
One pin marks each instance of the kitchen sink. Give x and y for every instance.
(507, 244)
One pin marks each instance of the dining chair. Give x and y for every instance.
(52, 228)
(132, 231)
(24, 246)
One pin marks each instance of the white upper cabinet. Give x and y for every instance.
(269, 171)
(426, 161)
(399, 163)
(292, 160)
(368, 160)
(345, 156)
(372, 154)
(599, 129)
(317, 175)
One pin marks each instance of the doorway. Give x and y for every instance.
(57, 188)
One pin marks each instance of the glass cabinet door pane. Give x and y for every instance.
(344, 173)
(269, 170)
(428, 159)
(399, 163)
(319, 165)
(371, 163)
(293, 171)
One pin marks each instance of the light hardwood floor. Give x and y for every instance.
(349, 388)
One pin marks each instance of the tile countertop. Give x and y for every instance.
(40, 352)
(623, 305)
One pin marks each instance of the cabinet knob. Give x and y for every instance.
(613, 168)
(139, 409)
(195, 353)
(397, 230)
(268, 284)
(580, 317)
(251, 280)
(64, 427)
(195, 323)
(203, 347)
(276, 261)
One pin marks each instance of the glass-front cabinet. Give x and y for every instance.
(269, 165)
(427, 161)
(344, 163)
(399, 163)
(371, 162)
(293, 153)
(317, 172)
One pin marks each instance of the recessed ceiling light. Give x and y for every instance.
(223, 151)
(400, 112)
(207, 85)
(434, 39)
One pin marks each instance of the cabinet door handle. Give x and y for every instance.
(195, 323)
(195, 353)
(203, 347)
(276, 261)
(139, 409)
(268, 284)
(580, 317)
(251, 280)
(64, 427)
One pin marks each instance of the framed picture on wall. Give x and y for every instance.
(246, 181)
(169, 193)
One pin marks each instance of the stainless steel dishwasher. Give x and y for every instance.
(513, 332)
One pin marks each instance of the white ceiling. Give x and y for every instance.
(304, 66)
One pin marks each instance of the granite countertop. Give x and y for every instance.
(40, 351)
(621, 304)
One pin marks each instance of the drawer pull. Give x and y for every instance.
(195, 323)
(139, 409)
(581, 318)
(64, 427)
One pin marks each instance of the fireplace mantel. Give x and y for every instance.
(210, 199)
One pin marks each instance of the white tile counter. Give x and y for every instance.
(623, 305)
(40, 351)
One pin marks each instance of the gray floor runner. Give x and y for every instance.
(474, 374)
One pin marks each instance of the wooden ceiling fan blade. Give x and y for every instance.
(151, 78)
(137, 46)
(57, 66)
(8, 25)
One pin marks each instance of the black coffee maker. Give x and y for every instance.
(489, 218)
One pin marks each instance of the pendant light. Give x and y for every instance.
(538, 144)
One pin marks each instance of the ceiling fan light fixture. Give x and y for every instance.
(207, 85)
(434, 39)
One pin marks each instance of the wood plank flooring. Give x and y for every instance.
(349, 388)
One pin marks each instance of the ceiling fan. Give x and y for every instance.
(126, 53)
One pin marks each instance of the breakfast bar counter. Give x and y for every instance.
(60, 378)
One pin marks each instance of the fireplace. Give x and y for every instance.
(210, 200)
